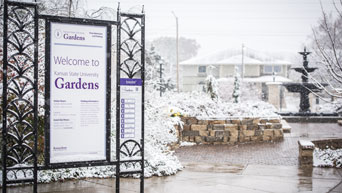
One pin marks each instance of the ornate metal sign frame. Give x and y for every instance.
(20, 93)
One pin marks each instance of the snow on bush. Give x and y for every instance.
(199, 104)
(211, 86)
(327, 157)
(236, 92)
(330, 107)
(247, 91)
(159, 133)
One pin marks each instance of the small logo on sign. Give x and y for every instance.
(58, 33)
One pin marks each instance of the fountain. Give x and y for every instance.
(304, 88)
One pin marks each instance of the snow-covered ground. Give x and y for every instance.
(327, 158)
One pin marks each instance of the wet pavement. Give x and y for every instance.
(212, 178)
(283, 153)
(263, 167)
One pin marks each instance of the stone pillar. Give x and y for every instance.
(306, 149)
(274, 93)
(339, 122)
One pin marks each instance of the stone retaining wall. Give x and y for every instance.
(306, 149)
(230, 131)
(330, 143)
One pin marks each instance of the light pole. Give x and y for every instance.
(177, 49)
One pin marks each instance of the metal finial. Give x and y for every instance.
(118, 6)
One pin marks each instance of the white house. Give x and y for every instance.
(252, 65)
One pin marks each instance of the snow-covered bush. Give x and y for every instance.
(330, 107)
(249, 91)
(211, 85)
(236, 92)
(327, 157)
(159, 133)
(199, 104)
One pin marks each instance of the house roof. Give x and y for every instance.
(259, 79)
(238, 59)
(228, 57)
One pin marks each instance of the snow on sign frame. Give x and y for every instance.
(77, 92)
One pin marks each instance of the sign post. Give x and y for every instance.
(130, 76)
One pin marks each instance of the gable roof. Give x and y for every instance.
(262, 79)
(233, 57)
(238, 60)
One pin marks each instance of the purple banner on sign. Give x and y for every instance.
(130, 82)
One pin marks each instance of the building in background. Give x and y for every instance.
(253, 66)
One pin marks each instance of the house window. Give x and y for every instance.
(269, 69)
(202, 69)
(277, 69)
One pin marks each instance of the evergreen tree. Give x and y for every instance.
(236, 91)
(155, 75)
(211, 84)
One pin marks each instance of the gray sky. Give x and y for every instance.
(266, 25)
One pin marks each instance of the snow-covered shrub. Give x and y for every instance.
(211, 87)
(159, 133)
(330, 107)
(249, 91)
(327, 157)
(199, 104)
(236, 92)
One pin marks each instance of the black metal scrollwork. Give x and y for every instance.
(131, 47)
(130, 148)
(19, 94)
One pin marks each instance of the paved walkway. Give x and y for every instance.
(283, 153)
(212, 178)
(247, 168)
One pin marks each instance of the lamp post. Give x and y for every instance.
(177, 49)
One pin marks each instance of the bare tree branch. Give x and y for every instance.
(336, 8)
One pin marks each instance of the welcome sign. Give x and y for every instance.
(78, 86)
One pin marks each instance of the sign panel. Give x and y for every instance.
(78, 68)
(130, 109)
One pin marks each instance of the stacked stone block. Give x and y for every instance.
(306, 149)
(230, 131)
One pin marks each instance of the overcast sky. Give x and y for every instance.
(266, 25)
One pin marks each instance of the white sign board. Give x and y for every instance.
(130, 109)
(78, 68)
